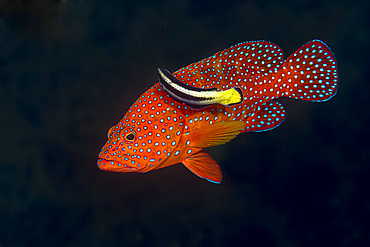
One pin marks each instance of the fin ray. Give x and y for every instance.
(202, 165)
(216, 134)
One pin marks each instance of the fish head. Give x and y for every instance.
(147, 135)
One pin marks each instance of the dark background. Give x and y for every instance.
(70, 69)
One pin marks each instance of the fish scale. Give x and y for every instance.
(158, 131)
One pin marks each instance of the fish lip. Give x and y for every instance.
(114, 166)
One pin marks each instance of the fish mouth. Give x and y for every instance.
(114, 166)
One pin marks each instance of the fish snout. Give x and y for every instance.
(114, 166)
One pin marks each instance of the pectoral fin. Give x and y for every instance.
(215, 134)
(202, 165)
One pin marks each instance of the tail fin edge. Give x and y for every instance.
(310, 73)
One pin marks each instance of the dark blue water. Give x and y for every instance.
(70, 69)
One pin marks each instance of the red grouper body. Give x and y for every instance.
(210, 102)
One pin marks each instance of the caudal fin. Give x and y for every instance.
(310, 73)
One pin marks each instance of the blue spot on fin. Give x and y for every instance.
(271, 115)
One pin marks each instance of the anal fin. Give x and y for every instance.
(270, 115)
(202, 165)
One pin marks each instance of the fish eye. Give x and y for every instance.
(130, 137)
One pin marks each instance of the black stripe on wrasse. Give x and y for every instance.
(187, 99)
(196, 97)
(163, 74)
(184, 93)
(178, 95)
